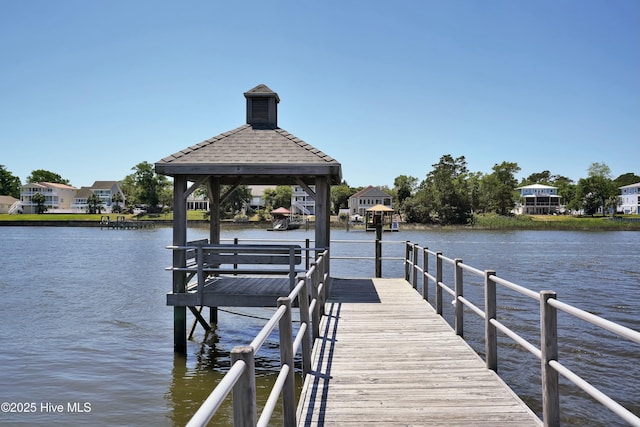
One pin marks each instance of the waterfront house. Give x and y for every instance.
(105, 190)
(58, 197)
(9, 205)
(367, 198)
(538, 199)
(630, 199)
(301, 202)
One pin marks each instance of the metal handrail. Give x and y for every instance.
(308, 310)
(548, 348)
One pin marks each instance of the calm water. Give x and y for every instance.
(83, 320)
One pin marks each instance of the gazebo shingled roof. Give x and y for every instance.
(259, 152)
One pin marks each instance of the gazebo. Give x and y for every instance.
(256, 153)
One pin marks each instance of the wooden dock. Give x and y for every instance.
(385, 357)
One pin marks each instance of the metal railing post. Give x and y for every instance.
(201, 275)
(549, 352)
(407, 250)
(303, 302)
(378, 257)
(315, 315)
(308, 256)
(438, 281)
(490, 332)
(459, 307)
(415, 266)
(244, 391)
(425, 273)
(286, 358)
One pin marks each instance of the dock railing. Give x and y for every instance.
(240, 379)
(417, 273)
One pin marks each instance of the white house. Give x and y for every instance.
(367, 198)
(538, 199)
(57, 197)
(301, 202)
(105, 190)
(10, 205)
(630, 198)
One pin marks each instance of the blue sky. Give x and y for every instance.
(90, 88)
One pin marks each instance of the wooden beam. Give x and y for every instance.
(199, 319)
(307, 189)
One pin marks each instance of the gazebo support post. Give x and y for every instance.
(179, 260)
(323, 214)
(213, 186)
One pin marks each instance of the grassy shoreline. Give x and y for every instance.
(481, 222)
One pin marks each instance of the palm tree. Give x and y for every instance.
(39, 200)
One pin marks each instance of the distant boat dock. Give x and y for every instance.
(121, 223)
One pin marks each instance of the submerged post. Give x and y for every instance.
(179, 261)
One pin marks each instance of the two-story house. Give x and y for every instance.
(538, 199)
(301, 202)
(367, 198)
(630, 199)
(105, 190)
(57, 197)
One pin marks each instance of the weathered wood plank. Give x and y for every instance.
(386, 358)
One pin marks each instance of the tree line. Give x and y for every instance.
(449, 193)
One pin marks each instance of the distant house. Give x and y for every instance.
(367, 198)
(9, 205)
(301, 202)
(538, 199)
(257, 196)
(630, 198)
(105, 190)
(57, 197)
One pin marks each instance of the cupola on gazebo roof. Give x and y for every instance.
(258, 152)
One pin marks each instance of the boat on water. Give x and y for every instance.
(283, 220)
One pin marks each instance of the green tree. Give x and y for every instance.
(626, 179)
(41, 175)
(404, 185)
(592, 193)
(278, 197)
(236, 201)
(117, 199)
(503, 197)
(39, 200)
(9, 184)
(94, 204)
(145, 187)
(340, 196)
(447, 191)
(599, 169)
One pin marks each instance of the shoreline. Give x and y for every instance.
(576, 224)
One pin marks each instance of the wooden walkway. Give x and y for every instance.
(386, 358)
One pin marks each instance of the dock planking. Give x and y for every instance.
(385, 357)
